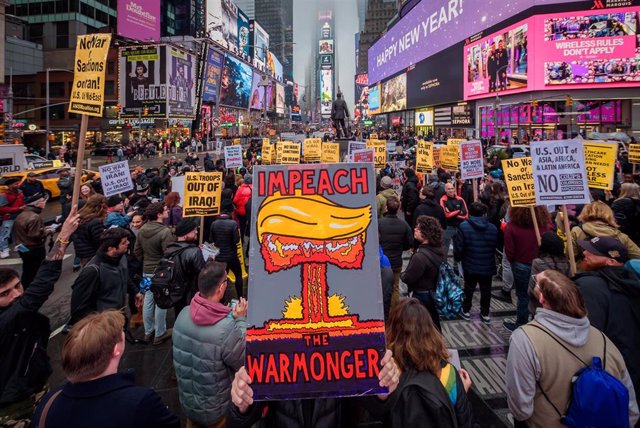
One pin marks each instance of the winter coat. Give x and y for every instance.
(395, 237)
(117, 219)
(15, 204)
(25, 332)
(109, 401)
(475, 246)
(65, 184)
(175, 215)
(225, 234)
(153, 240)
(32, 191)
(208, 348)
(86, 239)
(432, 209)
(189, 263)
(28, 228)
(594, 229)
(627, 213)
(409, 197)
(381, 200)
(455, 210)
(243, 194)
(521, 244)
(612, 298)
(423, 269)
(438, 189)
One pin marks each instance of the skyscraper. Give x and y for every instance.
(378, 15)
(182, 17)
(248, 7)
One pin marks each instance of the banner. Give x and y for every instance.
(202, 194)
(424, 157)
(142, 81)
(518, 177)
(181, 91)
(330, 152)
(380, 149)
(139, 19)
(212, 70)
(319, 328)
(267, 153)
(634, 153)
(559, 174)
(364, 155)
(471, 160)
(449, 157)
(233, 156)
(87, 94)
(115, 178)
(312, 148)
(290, 153)
(235, 83)
(600, 162)
(358, 145)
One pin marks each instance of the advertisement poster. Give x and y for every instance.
(202, 194)
(274, 64)
(257, 93)
(326, 88)
(559, 175)
(374, 99)
(380, 149)
(450, 157)
(139, 19)
(498, 63)
(330, 152)
(314, 267)
(430, 82)
(230, 24)
(424, 117)
(518, 177)
(214, 22)
(235, 83)
(279, 98)
(424, 157)
(244, 45)
(312, 148)
(181, 91)
(363, 155)
(361, 96)
(290, 153)
(233, 156)
(326, 46)
(90, 65)
(634, 153)
(260, 43)
(212, 71)
(143, 74)
(471, 160)
(115, 178)
(394, 94)
(600, 162)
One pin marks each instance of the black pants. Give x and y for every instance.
(242, 219)
(428, 300)
(31, 262)
(340, 123)
(470, 282)
(234, 266)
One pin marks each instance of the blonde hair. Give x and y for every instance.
(598, 211)
(629, 190)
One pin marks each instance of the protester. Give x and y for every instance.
(382, 196)
(137, 221)
(386, 279)
(140, 200)
(438, 185)
(395, 237)
(550, 256)
(626, 210)
(423, 270)
(474, 245)
(86, 239)
(429, 206)
(65, 185)
(86, 191)
(32, 188)
(96, 394)
(30, 235)
(208, 347)
(225, 235)
(9, 211)
(172, 201)
(409, 196)
(243, 194)
(115, 213)
(455, 211)
(540, 364)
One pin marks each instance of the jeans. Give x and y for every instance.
(507, 274)
(154, 318)
(5, 233)
(521, 276)
(449, 233)
(470, 282)
(428, 300)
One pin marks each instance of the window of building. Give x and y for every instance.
(74, 5)
(102, 17)
(109, 88)
(111, 67)
(23, 90)
(62, 6)
(56, 89)
(35, 8)
(87, 10)
(48, 7)
(62, 34)
(35, 32)
(56, 112)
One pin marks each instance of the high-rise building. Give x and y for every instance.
(183, 17)
(378, 15)
(248, 7)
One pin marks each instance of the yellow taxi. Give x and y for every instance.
(47, 176)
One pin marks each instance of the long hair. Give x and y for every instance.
(629, 190)
(172, 199)
(598, 211)
(96, 207)
(414, 339)
(521, 216)
(561, 294)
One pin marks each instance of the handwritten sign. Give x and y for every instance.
(518, 177)
(115, 178)
(233, 156)
(202, 194)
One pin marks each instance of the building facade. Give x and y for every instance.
(377, 14)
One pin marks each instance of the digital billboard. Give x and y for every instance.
(393, 94)
(142, 80)
(326, 88)
(230, 24)
(279, 98)
(244, 45)
(257, 93)
(275, 66)
(139, 19)
(374, 99)
(211, 79)
(361, 96)
(181, 92)
(235, 83)
(214, 22)
(326, 46)
(260, 45)
(433, 82)
(271, 96)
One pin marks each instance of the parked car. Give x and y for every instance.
(103, 150)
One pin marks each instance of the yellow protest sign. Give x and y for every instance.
(267, 153)
(380, 152)
(518, 177)
(90, 65)
(634, 153)
(330, 152)
(424, 157)
(373, 136)
(290, 153)
(455, 141)
(450, 157)
(202, 194)
(437, 163)
(312, 149)
(237, 142)
(600, 163)
(278, 152)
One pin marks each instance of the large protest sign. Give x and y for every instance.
(364, 155)
(471, 160)
(356, 145)
(424, 157)
(455, 141)
(290, 153)
(115, 178)
(312, 148)
(600, 162)
(233, 156)
(559, 175)
(330, 152)
(279, 147)
(87, 93)
(437, 162)
(268, 153)
(634, 153)
(450, 157)
(380, 149)
(202, 193)
(319, 328)
(518, 176)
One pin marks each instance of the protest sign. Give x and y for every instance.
(237, 142)
(233, 156)
(380, 152)
(202, 194)
(437, 163)
(471, 160)
(424, 157)
(373, 136)
(634, 153)
(330, 152)
(267, 153)
(115, 178)
(177, 185)
(364, 155)
(279, 152)
(290, 153)
(219, 146)
(518, 177)
(87, 93)
(391, 148)
(356, 145)
(319, 328)
(600, 162)
(449, 157)
(312, 149)
(455, 141)
(559, 175)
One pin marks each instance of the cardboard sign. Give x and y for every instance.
(364, 155)
(380, 149)
(268, 152)
(471, 160)
(318, 330)
(202, 194)
(312, 148)
(237, 142)
(373, 136)
(290, 153)
(392, 148)
(559, 175)
(87, 93)
(437, 162)
(115, 178)
(455, 141)
(356, 145)
(279, 152)
(634, 153)
(233, 156)
(518, 177)
(424, 157)
(600, 162)
(449, 157)
(330, 152)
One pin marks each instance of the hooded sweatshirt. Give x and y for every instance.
(207, 312)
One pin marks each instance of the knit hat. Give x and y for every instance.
(248, 179)
(113, 201)
(185, 226)
(552, 244)
(385, 182)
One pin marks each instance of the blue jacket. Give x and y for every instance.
(475, 246)
(117, 219)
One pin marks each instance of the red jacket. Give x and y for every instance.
(243, 194)
(14, 206)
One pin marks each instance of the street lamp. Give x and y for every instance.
(47, 147)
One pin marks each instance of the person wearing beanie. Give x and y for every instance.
(116, 216)
(386, 192)
(243, 194)
(550, 256)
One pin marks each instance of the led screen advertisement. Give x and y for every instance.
(361, 95)
(257, 93)
(244, 45)
(214, 22)
(235, 83)
(139, 19)
(393, 94)
(279, 98)
(211, 80)
(181, 88)
(374, 99)
(274, 64)
(230, 24)
(433, 81)
(260, 42)
(326, 46)
(326, 94)
(142, 80)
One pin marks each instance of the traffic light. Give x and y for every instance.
(118, 107)
(146, 111)
(569, 101)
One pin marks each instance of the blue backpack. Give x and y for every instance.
(449, 293)
(598, 399)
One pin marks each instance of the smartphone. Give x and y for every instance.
(233, 303)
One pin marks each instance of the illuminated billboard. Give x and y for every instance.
(393, 94)
(374, 99)
(259, 40)
(326, 46)
(326, 91)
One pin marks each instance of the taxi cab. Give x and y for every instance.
(48, 177)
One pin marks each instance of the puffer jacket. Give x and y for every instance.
(153, 239)
(594, 229)
(225, 235)
(208, 348)
(243, 194)
(395, 237)
(475, 245)
(86, 240)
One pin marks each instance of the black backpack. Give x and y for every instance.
(167, 289)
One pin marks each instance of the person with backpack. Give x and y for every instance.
(546, 354)
(626, 210)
